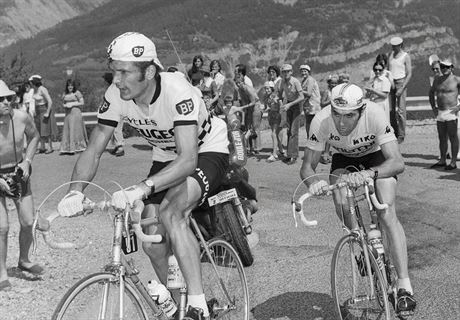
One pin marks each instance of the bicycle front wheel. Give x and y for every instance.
(355, 296)
(224, 282)
(97, 296)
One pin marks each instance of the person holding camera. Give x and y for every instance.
(15, 170)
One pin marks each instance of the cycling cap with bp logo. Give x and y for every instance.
(347, 97)
(133, 46)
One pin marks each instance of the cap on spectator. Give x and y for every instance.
(286, 67)
(305, 66)
(108, 77)
(133, 46)
(270, 84)
(396, 41)
(433, 58)
(35, 76)
(446, 62)
(4, 90)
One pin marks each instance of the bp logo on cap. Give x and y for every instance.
(137, 51)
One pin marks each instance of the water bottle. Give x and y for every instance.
(375, 239)
(175, 278)
(163, 297)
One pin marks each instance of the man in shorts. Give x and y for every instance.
(15, 171)
(190, 154)
(362, 136)
(446, 87)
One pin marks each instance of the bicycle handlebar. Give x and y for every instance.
(297, 206)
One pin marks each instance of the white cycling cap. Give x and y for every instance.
(347, 97)
(4, 90)
(305, 66)
(133, 46)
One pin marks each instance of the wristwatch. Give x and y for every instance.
(150, 185)
(376, 174)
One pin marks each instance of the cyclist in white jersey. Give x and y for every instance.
(361, 134)
(190, 154)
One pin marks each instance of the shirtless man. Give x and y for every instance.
(14, 180)
(446, 87)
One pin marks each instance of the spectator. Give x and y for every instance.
(401, 69)
(273, 74)
(311, 104)
(380, 88)
(117, 140)
(197, 64)
(332, 81)
(15, 169)
(248, 100)
(74, 138)
(344, 77)
(228, 111)
(208, 87)
(446, 88)
(240, 69)
(383, 58)
(45, 120)
(435, 67)
(291, 95)
(28, 100)
(272, 104)
(217, 76)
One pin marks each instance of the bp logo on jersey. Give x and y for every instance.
(137, 51)
(185, 107)
(104, 106)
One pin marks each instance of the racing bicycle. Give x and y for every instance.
(363, 280)
(117, 291)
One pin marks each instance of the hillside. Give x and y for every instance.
(327, 34)
(22, 19)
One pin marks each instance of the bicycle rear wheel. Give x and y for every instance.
(354, 296)
(227, 216)
(224, 282)
(97, 297)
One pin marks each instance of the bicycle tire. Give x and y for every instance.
(84, 300)
(229, 276)
(351, 291)
(231, 224)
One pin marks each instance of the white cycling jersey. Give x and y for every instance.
(175, 103)
(373, 130)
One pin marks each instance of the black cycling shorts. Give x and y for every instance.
(352, 164)
(210, 171)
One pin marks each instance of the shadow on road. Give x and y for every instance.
(296, 306)
(421, 156)
(142, 147)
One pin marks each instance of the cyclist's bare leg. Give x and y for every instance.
(26, 219)
(386, 192)
(157, 252)
(4, 228)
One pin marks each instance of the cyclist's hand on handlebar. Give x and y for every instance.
(71, 204)
(127, 196)
(357, 179)
(318, 188)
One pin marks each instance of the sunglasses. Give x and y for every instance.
(378, 70)
(7, 98)
(444, 67)
(435, 69)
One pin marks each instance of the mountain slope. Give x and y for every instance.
(330, 35)
(20, 19)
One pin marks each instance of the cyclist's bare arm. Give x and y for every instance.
(309, 164)
(185, 163)
(88, 162)
(394, 162)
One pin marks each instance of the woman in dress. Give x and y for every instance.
(380, 88)
(197, 64)
(74, 138)
(44, 119)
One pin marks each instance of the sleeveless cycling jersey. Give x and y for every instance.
(175, 103)
(373, 130)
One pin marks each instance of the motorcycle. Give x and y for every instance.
(228, 214)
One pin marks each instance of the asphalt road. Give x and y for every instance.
(290, 276)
